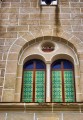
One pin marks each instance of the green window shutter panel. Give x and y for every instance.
(40, 86)
(27, 86)
(56, 86)
(69, 86)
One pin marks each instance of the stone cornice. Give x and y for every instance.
(41, 107)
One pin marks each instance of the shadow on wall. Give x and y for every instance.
(57, 23)
(57, 19)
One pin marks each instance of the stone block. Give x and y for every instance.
(17, 97)
(39, 16)
(15, 48)
(74, 40)
(20, 116)
(47, 22)
(9, 22)
(8, 95)
(65, 10)
(5, 4)
(16, 5)
(24, 1)
(48, 116)
(9, 41)
(20, 41)
(19, 85)
(29, 22)
(34, 4)
(67, 28)
(77, 4)
(79, 97)
(17, 28)
(81, 82)
(2, 41)
(20, 70)
(3, 29)
(79, 35)
(81, 66)
(2, 72)
(3, 16)
(63, 4)
(70, 22)
(23, 16)
(2, 64)
(8, 34)
(1, 56)
(2, 115)
(80, 56)
(9, 10)
(48, 10)
(66, 35)
(13, 56)
(1, 81)
(4, 56)
(12, 0)
(1, 90)
(47, 32)
(74, 0)
(30, 10)
(36, 31)
(28, 36)
(77, 28)
(76, 16)
(75, 10)
(10, 80)
(75, 116)
(11, 67)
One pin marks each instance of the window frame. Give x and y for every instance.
(34, 79)
(62, 69)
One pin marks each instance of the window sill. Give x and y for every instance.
(41, 107)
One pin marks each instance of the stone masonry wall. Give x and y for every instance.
(17, 17)
(40, 116)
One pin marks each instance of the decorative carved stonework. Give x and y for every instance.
(47, 47)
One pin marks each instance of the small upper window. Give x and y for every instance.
(48, 2)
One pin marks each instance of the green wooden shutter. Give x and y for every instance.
(56, 86)
(40, 86)
(28, 86)
(69, 86)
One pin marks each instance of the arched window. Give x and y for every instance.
(63, 87)
(33, 81)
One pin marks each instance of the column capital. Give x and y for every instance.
(48, 62)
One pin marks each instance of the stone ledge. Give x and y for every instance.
(41, 107)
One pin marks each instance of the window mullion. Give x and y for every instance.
(48, 93)
(34, 70)
(62, 70)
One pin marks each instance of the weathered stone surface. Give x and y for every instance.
(25, 21)
(1, 81)
(73, 116)
(20, 116)
(8, 95)
(10, 81)
(11, 66)
(2, 115)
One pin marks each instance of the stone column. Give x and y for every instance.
(48, 82)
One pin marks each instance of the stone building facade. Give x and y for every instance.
(25, 26)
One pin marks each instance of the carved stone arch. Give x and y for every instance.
(24, 41)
